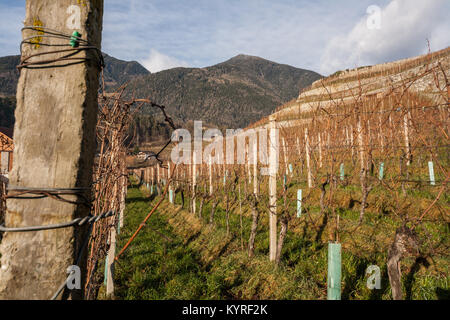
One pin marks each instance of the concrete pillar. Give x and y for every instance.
(54, 138)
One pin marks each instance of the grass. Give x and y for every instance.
(181, 256)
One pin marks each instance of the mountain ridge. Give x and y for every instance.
(230, 94)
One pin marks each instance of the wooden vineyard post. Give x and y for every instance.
(171, 195)
(352, 142)
(320, 151)
(285, 156)
(210, 176)
(54, 134)
(158, 180)
(255, 168)
(308, 159)
(247, 151)
(152, 179)
(177, 177)
(407, 144)
(123, 196)
(109, 261)
(194, 184)
(111, 254)
(150, 176)
(240, 215)
(145, 181)
(347, 138)
(381, 135)
(299, 203)
(361, 146)
(273, 170)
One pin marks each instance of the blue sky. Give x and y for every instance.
(321, 35)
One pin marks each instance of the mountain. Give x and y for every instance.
(9, 75)
(231, 94)
(116, 73)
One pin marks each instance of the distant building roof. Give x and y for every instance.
(7, 131)
(6, 141)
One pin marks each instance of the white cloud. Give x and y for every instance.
(296, 32)
(158, 62)
(405, 27)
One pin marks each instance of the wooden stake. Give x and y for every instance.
(320, 151)
(171, 200)
(255, 168)
(308, 159)
(194, 184)
(273, 159)
(247, 151)
(361, 145)
(210, 176)
(285, 156)
(407, 145)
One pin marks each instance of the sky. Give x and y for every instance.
(320, 35)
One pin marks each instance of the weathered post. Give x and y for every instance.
(320, 151)
(122, 198)
(210, 176)
(247, 151)
(361, 146)
(194, 185)
(273, 169)
(255, 168)
(153, 180)
(352, 142)
(111, 252)
(407, 144)
(285, 156)
(308, 159)
(54, 134)
(171, 195)
(158, 179)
